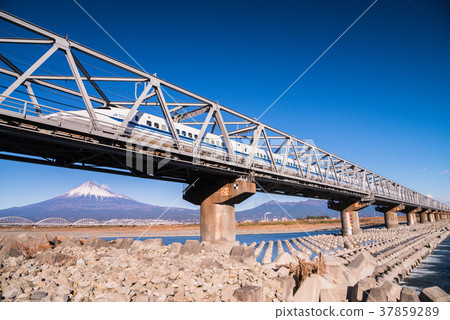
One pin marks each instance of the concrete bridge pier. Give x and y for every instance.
(424, 216)
(217, 198)
(411, 217)
(438, 217)
(431, 216)
(390, 215)
(349, 215)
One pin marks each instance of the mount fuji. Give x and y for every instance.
(91, 200)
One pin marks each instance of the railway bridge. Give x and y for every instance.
(54, 92)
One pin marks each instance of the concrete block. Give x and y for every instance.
(352, 275)
(324, 283)
(191, 247)
(365, 264)
(287, 284)
(434, 294)
(300, 255)
(360, 290)
(329, 295)
(284, 259)
(309, 291)
(393, 290)
(248, 294)
(409, 295)
(377, 294)
(154, 243)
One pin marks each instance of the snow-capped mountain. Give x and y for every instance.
(91, 200)
(93, 189)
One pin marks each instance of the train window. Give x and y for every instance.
(195, 136)
(136, 118)
(223, 144)
(183, 133)
(189, 135)
(164, 127)
(156, 125)
(149, 123)
(178, 131)
(245, 149)
(207, 140)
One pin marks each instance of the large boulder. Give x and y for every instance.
(122, 243)
(210, 263)
(434, 294)
(191, 247)
(96, 242)
(243, 254)
(248, 294)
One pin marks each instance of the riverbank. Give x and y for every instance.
(365, 267)
(189, 229)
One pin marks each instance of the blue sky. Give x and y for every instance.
(380, 97)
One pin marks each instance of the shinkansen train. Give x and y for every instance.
(157, 127)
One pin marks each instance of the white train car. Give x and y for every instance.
(156, 127)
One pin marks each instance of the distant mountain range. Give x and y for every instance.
(298, 209)
(90, 200)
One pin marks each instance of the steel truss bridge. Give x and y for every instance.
(64, 76)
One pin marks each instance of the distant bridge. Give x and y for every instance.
(14, 221)
(38, 125)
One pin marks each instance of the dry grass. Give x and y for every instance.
(304, 269)
(30, 248)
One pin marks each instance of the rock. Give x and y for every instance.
(284, 259)
(69, 242)
(96, 242)
(10, 248)
(175, 247)
(409, 295)
(328, 295)
(226, 293)
(210, 263)
(287, 284)
(206, 245)
(80, 263)
(38, 295)
(143, 298)
(283, 272)
(11, 293)
(123, 243)
(434, 294)
(377, 294)
(191, 247)
(243, 254)
(248, 294)
(393, 290)
(153, 243)
(51, 239)
(309, 291)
